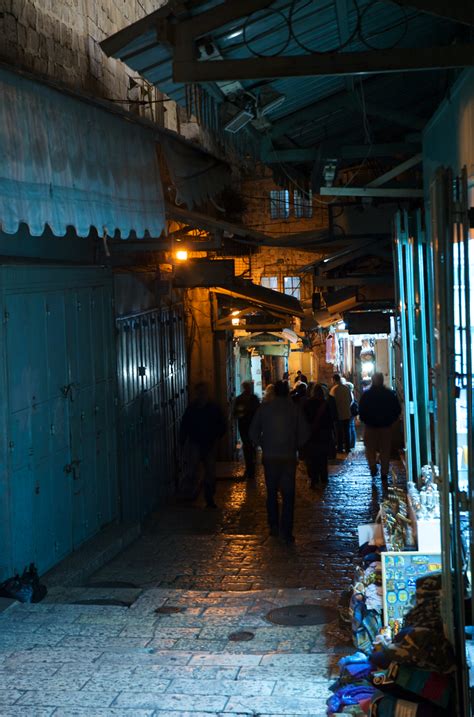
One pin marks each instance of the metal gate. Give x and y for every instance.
(58, 444)
(414, 285)
(152, 378)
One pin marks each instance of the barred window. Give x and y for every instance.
(303, 204)
(279, 204)
(269, 282)
(292, 286)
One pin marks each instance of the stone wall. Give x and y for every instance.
(60, 40)
(256, 194)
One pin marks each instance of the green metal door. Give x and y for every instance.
(58, 417)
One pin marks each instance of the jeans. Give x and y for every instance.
(343, 436)
(280, 477)
(352, 433)
(207, 456)
(378, 440)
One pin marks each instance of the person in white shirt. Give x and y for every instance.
(343, 397)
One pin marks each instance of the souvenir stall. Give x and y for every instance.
(410, 606)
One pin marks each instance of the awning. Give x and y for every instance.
(265, 299)
(66, 163)
(196, 175)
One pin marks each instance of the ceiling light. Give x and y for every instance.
(235, 313)
(239, 121)
(236, 33)
(182, 255)
(235, 322)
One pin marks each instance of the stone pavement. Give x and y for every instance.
(209, 574)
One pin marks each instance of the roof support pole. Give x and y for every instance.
(396, 171)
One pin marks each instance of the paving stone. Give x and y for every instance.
(9, 696)
(225, 659)
(278, 705)
(225, 574)
(67, 698)
(22, 711)
(221, 687)
(134, 682)
(94, 712)
(166, 702)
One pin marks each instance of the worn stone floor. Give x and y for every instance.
(209, 574)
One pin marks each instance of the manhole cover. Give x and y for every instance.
(242, 636)
(168, 610)
(113, 584)
(105, 601)
(296, 615)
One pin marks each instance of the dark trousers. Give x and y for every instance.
(317, 466)
(280, 477)
(343, 436)
(207, 456)
(249, 450)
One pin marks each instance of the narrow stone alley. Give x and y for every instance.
(177, 623)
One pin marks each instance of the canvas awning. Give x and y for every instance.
(265, 299)
(196, 175)
(65, 162)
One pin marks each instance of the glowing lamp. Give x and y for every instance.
(235, 322)
(182, 255)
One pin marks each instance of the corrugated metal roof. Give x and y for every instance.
(315, 27)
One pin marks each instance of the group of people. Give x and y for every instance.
(288, 424)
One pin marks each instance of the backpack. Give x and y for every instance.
(26, 588)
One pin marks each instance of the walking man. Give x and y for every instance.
(280, 429)
(244, 409)
(202, 425)
(343, 398)
(379, 408)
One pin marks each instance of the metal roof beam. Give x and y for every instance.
(371, 192)
(335, 103)
(348, 255)
(458, 10)
(331, 64)
(323, 281)
(337, 151)
(400, 117)
(396, 171)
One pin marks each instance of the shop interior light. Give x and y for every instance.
(182, 254)
(235, 313)
(236, 321)
(368, 367)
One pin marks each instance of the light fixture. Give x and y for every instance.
(236, 321)
(368, 367)
(239, 121)
(182, 254)
(236, 33)
(235, 313)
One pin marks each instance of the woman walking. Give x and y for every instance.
(321, 442)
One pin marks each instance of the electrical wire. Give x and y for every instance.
(306, 48)
(403, 22)
(281, 49)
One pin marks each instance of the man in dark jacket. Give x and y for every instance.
(280, 430)
(202, 425)
(244, 409)
(379, 408)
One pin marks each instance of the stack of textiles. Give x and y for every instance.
(411, 675)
